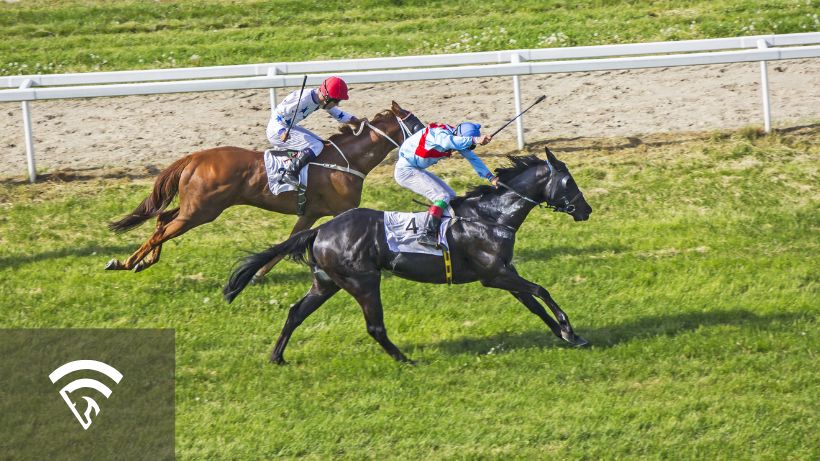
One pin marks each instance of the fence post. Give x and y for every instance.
(764, 88)
(32, 170)
(519, 123)
(271, 73)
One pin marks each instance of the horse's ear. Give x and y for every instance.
(396, 108)
(551, 157)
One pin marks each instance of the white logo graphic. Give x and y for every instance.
(70, 367)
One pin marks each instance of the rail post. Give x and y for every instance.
(519, 123)
(764, 89)
(32, 169)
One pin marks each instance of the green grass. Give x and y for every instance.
(695, 281)
(42, 36)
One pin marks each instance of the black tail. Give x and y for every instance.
(293, 248)
(165, 188)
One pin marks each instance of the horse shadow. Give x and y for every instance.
(606, 337)
(525, 254)
(102, 251)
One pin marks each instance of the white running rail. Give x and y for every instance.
(514, 63)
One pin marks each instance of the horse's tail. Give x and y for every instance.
(165, 189)
(293, 248)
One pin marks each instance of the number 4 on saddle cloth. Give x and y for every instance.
(403, 230)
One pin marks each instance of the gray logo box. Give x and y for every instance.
(135, 422)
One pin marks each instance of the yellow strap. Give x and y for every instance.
(448, 266)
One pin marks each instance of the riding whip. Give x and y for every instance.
(540, 98)
(290, 125)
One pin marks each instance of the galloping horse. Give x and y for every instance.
(212, 180)
(350, 251)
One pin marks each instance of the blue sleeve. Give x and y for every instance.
(447, 141)
(476, 163)
(340, 115)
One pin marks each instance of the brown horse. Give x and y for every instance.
(212, 180)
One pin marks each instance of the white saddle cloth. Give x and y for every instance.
(404, 229)
(275, 167)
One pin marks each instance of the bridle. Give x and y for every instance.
(567, 205)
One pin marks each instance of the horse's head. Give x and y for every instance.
(410, 123)
(561, 192)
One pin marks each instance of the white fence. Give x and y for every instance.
(512, 63)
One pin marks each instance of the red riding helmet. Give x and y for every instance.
(334, 88)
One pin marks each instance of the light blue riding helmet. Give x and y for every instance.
(468, 129)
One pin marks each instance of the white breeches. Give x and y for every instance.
(298, 139)
(422, 182)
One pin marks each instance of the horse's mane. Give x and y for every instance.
(347, 129)
(519, 163)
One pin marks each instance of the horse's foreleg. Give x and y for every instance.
(318, 294)
(367, 293)
(536, 308)
(304, 222)
(508, 279)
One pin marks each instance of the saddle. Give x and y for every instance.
(275, 163)
(287, 153)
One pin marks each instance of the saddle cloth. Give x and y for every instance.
(404, 229)
(275, 166)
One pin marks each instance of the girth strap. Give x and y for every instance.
(448, 266)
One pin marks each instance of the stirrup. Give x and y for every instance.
(429, 241)
(288, 179)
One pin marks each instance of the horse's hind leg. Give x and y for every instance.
(366, 290)
(178, 226)
(162, 221)
(320, 292)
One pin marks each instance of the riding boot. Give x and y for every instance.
(297, 162)
(430, 236)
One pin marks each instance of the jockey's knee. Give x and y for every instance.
(308, 151)
(316, 147)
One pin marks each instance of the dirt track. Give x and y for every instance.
(141, 134)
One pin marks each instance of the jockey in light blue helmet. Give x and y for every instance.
(468, 129)
(426, 148)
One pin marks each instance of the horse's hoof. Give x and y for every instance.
(580, 342)
(113, 265)
(257, 279)
(140, 267)
(573, 339)
(278, 360)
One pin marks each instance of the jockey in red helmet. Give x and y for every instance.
(305, 145)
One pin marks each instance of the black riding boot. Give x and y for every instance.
(299, 160)
(430, 236)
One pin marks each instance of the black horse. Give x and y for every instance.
(351, 250)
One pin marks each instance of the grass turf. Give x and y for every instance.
(42, 36)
